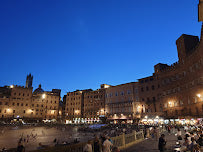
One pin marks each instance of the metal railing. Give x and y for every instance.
(122, 141)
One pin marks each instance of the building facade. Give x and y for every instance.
(150, 93)
(19, 102)
(84, 106)
(15, 101)
(74, 106)
(182, 82)
(45, 104)
(122, 103)
(94, 105)
(176, 91)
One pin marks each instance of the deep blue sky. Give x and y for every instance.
(80, 44)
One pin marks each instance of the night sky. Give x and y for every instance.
(80, 44)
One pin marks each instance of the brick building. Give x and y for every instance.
(15, 101)
(182, 82)
(45, 104)
(20, 102)
(149, 93)
(74, 104)
(176, 91)
(94, 105)
(122, 103)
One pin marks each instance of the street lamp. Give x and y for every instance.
(43, 96)
(77, 112)
(170, 104)
(8, 110)
(199, 95)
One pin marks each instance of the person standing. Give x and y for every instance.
(162, 143)
(169, 130)
(156, 133)
(20, 147)
(97, 145)
(107, 145)
(179, 134)
(88, 147)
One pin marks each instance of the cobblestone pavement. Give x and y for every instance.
(151, 145)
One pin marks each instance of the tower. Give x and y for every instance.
(29, 81)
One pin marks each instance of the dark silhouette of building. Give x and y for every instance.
(29, 80)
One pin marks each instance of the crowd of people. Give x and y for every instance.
(102, 144)
(189, 138)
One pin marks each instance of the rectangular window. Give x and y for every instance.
(122, 93)
(152, 87)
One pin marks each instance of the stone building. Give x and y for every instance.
(74, 106)
(84, 106)
(176, 91)
(45, 104)
(122, 102)
(19, 102)
(15, 101)
(149, 90)
(182, 82)
(94, 105)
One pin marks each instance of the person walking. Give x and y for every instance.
(162, 143)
